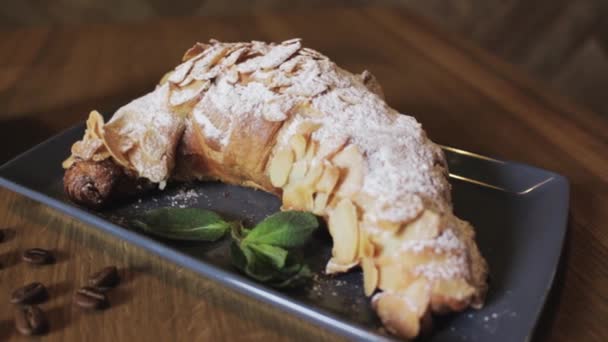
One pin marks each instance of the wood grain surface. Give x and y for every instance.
(51, 77)
(562, 42)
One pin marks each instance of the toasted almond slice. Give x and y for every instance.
(306, 128)
(426, 226)
(315, 170)
(296, 197)
(329, 179)
(305, 109)
(280, 167)
(366, 247)
(395, 314)
(299, 192)
(370, 276)
(334, 266)
(298, 144)
(350, 160)
(344, 229)
(195, 51)
(311, 150)
(298, 171)
(165, 78)
(181, 95)
(330, 146)
(401, 312)
(393, 227)
(320, 203)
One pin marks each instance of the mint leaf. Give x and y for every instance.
(284, 229)
(262, 253)
(189, 224)
(275, 255)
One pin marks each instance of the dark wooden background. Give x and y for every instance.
(52, 75)
(562, 42)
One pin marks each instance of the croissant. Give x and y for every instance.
(285, 119)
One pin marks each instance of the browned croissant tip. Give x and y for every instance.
(90, 183)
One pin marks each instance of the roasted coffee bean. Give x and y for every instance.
(30, 320)
(38, 256)
(29, 294)
(105, 279)
(91, 298)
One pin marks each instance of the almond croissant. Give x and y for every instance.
(285, 119)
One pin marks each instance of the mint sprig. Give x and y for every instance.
(262, 252)
(265, 253)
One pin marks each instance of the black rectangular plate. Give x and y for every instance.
(520, 215)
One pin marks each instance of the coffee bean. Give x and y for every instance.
(29, 294)
(1, 235)
(38, 256)
(30, 320)
(91, 298)
(105, 279)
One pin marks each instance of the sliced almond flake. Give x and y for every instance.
(180, 72)
(331, 145)
(310, 89)
(232, 76)
(291, 64)
(209, 74)
(231, 59)
(211, 58)
(179, 96)
(86, 149)
(195, 51)
(189, 79)
(312, 53)
(231, 55)
(279, 54)
(348, 99)
(272, 59)
(260, 47)
(291, 41)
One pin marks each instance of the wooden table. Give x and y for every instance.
(51, 77)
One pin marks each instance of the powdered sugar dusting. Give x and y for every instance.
(252, 98)
(277, 55)
(451, 268)
(401, 169)
(185, 94)
(180, 72)
(209, 129)
(446, 242)
(183, 198)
